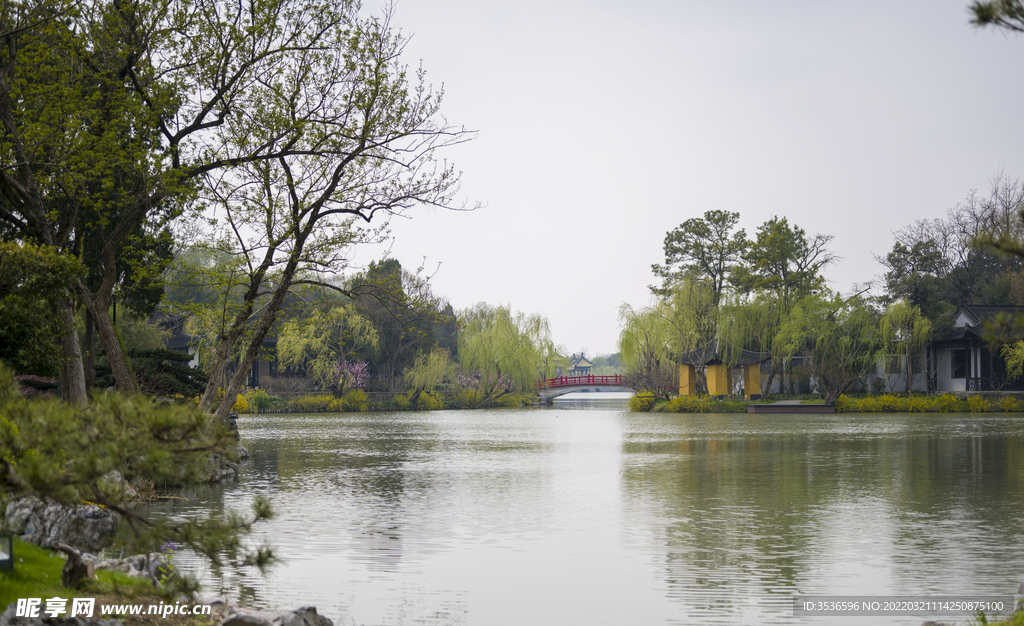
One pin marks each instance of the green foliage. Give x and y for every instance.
(428, 402)
(1005, 14)
(1014, 355)
(839, 338)
(977, 404)
(940, 264)
(161, 372)
(37, 574)
(944, 403)
(1009, 404)
(31, 278)
(62, 452)
(255, 401)
(642, 402)
(312, 403)
(430, 370)
(783, 261)
(508, 350)
(645, 341)
(317, 343)
(355, 400)
(409, 319)
(703, 249)
(905, 332)
(690, 404)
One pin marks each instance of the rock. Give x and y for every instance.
(8, 619)
(305, 616)
(152, 566)
(232, 420)
(85, 526)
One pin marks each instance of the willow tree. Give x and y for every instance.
(324, 342)
(502, 351)
(839, 338)
(905, 334)
(428, 370)
(645, 339)
(753, 323)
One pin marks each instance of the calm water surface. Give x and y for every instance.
(562, 516)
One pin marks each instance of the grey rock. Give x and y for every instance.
(151, 566)
(305, 616)
(8, 619)
(87, 527)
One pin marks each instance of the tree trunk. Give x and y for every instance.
(72, 374)
(76, 569)
(252, 352)
(99, 304)
(772, 372)
(90, 351)
(213, 385)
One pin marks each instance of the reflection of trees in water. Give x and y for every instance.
(758, 511)
(376, 481)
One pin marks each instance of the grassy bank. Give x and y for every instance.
(919, 403)
(36, 574)
(259, 401)
(855, 403)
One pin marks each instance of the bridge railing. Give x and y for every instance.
(572, 381)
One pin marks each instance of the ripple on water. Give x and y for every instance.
(608, 517)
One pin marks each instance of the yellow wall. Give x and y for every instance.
(718, 380)
(687, 380)
(752, 380)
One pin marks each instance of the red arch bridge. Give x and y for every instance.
(550, 388)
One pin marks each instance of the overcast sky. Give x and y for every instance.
(602, 125)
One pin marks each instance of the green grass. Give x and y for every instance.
(36, 574)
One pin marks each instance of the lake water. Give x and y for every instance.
(604, 517)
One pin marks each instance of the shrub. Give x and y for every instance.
(641, 402)
(241, 405)
(1010, 404)
(355, 400)
(402, 402)
(427, 402)
(947, 403)
(689, 404)
(465, 398)
(313, 403)
(843, 404)
(976, 404)
(888, 403)
(509, 399)
(920, 404)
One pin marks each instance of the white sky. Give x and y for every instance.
(602, 125)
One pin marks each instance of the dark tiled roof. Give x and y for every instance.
(711, 354)
(983, 313)
(958, 335)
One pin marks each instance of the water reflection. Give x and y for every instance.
(538, 516)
